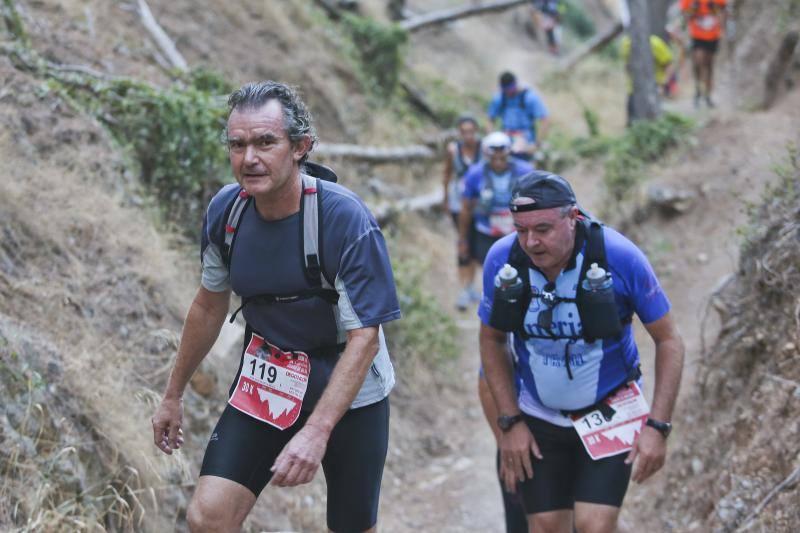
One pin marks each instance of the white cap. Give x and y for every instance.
(496, 139)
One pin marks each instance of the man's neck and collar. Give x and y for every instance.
(281, 203)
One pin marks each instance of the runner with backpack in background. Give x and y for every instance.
(520, 113)
(310, 263)
(464, 151)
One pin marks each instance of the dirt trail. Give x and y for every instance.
(727, 168)
(457, 490)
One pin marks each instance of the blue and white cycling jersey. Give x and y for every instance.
(501, 188)
(597, 368)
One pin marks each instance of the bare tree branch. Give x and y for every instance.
(161, 38)
(446, 15)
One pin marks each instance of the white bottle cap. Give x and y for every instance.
(507, 273)
(595, 272)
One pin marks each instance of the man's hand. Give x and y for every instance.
(516, 446)
(167, 420)
(300, 458)
(647, 455)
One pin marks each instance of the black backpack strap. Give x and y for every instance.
(518, 259)
(595, 244)
(320, 171)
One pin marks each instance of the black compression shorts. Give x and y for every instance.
(566, 474)
(710, 46)
(244, 449)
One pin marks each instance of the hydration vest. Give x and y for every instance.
(594, 326)
(310, 238)
(460, 166)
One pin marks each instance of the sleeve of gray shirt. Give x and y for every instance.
(215, 277)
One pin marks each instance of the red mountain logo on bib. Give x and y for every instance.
(278, 405)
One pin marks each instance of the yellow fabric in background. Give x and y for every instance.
(662, 56)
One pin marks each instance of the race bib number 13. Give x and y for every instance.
(272, 383)
(604, 438)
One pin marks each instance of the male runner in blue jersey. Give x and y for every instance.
(565, 377)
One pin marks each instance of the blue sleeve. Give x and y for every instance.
(640, 284)
(494, 106)
(215, 276)
(472, 181)
(521, 167)
(495, 259)
(536, 106)
(367, 295)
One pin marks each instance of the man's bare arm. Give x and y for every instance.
(650, 449)
(200, 330)
(302, 455)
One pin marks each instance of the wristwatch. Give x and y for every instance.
(662, 427)
(505, 422)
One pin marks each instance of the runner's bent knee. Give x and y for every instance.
(218, 505)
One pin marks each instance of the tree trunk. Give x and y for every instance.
(640, 65)
(396, 9)
(658, 17)
(777, 68)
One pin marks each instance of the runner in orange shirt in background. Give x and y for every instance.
(706, 19)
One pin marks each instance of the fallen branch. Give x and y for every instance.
(417, 99)
(784, 381)
(447, 15)
(375, 154)
(386, 211)
(793, 478)
(161, 38)
(592, 45)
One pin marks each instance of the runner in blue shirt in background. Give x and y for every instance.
(521, 114)
(576, 360)
(487, 191)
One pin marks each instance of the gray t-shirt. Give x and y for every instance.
(267, 258)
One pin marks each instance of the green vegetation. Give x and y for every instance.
(171, 135)
(426, 330)
(379, 49)
(625, 156)
(575, 19)
(446, 100)
(13, 22)
(644, 142)
(779, 202)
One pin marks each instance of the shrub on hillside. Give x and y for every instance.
(378, 48)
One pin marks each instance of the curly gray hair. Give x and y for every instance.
(297, 120)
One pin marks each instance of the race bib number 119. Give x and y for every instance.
(272, 383)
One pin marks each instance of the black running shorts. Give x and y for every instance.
(481, 246)
(566, 474)
(710, 46)
(244, 449)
